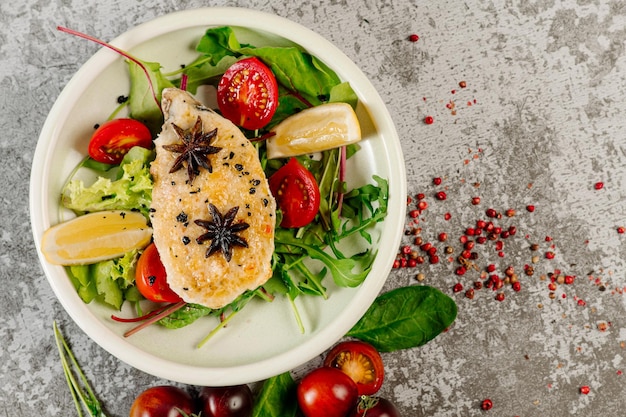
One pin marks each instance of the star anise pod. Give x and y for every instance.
(222, 232)
(194, 150)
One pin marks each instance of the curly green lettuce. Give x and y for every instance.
(131, 190)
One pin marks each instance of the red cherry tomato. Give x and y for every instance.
(151, 279)
(361, 361)
(162, 401)
(235, 401)
(375, 407)
(296, 192)
(327, 392)
(114, 138)
(247, 94)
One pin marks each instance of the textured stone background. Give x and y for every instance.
(540, 122)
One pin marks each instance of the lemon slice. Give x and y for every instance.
(314, 129)
(95, 237)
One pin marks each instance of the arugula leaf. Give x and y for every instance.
(277, 397)
(405, 317)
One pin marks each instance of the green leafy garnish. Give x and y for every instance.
(277, 397)
(405, 317)
(82, 394)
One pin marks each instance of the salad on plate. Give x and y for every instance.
(281, 222)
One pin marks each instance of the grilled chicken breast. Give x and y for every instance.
(213, 215)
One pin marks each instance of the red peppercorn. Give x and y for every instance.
(414, 214)
(461, 270)
(478, 285)
(420, 196)
(404, 262)
(429, 120)
(569, 279)
(447, 216)
(470, 231)
(422, 205)
(433, 259)
(491, 213)
(414, 38)
(462, 84)
(491, 268)
(500, 296)
(475, 201)
(499, 245)
(487, 404)
(432, 251)
(549, 255)
(412, 263)
(598, 185)
(437, 180)
(480, 224)
(510, 212)
(530, 208)
(442, 237)
(469, 293)
(458, 287)
(516, 286)
(466, 254)
(426, 246)
(406, 249)
(512, 230)
(585, 389)
(441, 195)
(621, 230)
(481, 240)
(396, 263)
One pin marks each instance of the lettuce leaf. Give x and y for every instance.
(132, 189)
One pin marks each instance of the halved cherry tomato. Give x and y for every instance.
(361, 361)
(326, 392)
(247, 94)
(151, 278)
(114, 138)
(296, 192)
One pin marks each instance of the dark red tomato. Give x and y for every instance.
(151, 279)
(361, 361)
(235, 401)
(296, 192)
(114, 138)
(327, 392)
(375, 407)
(162, 401)
(247, 94)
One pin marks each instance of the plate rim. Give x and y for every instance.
(217, 16)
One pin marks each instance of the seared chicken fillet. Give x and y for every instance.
(213, 222)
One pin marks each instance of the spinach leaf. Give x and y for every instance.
(185, 316)
(277, 397)
(143, 101)
(405, 317)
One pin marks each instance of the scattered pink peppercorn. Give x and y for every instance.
(487, 404)
(406, 249)
(458, 287)
(569, 279)
(585, 389)
(491, 212)
(530, 208)
(422, 205)
(441, 195)
(414, 214)
(500, 296)
(414, 37)
(491, 268)
(517, 286)
(429, 120)
(396, 263)
(462, 84)
(549, 255)
(598, 185)
(621, 230)
(469, 293)
(420, 196)
(437, 180)
(442, 237)
(475, 201)
(433, 259)
(461, 270)
(447, 216)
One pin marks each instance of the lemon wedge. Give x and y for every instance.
(315, 129)
(95, 237)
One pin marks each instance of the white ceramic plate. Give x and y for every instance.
(263, 340)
